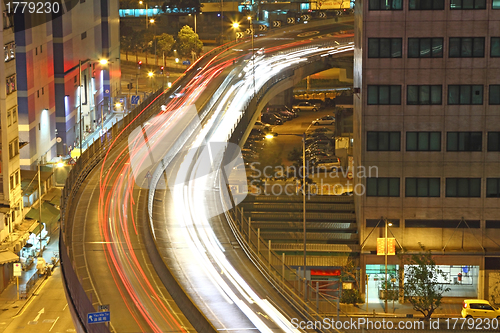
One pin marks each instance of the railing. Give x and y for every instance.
(305, 297)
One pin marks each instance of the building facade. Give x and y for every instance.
(427, 117)
(51, 57)
(10, 175)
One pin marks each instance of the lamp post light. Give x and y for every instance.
(303, 136)
(386, 250)
(235, 25)
(151, 76)
(250, 23)
(152, 21)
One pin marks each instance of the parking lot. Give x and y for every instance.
(275, 151)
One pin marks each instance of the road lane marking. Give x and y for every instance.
(51, 327)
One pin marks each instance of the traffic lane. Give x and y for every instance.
(187, 269)
(47, 310)
(245, 267)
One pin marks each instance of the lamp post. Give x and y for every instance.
(40, 205)
(152, 21)
(236, 25)
(386, 250)
(140, 3)
(303, 136)
(249, 18)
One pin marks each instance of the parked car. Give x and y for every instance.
(266, 128)
(271, 118)
(479, 308)
(326, 120)
(305, 106)
(324, 130)
(285, 109)
(284, 114)
(319, 136)
(321, 144)
(326, 164)
(256, 135)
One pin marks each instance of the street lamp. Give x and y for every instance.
(152, 21)
(250, 23)
(140, 3)
(303, 136)
(386, 250)
(151, 75)
(235, 25)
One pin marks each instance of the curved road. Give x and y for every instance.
(107, 244)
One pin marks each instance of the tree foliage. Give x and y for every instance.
(349, 273)
(422, 286)
(188, 41)
(165, 43)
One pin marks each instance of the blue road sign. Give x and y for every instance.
(186, 62)
(98, 317)
(134, 99)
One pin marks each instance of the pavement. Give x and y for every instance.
(10, 305)
(450, 308)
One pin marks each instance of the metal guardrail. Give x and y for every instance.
(301, 294)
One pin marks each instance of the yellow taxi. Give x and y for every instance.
(479, 308)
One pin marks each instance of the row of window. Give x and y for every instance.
(14, 148)
(474, 224)
(463, 94)
(8, 19)
(10, 84)
(15, 179)
(12, 116)
(459, 47)
(431, 4)
(431, 141)
(431, 187)
(9, 51)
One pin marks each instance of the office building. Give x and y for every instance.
(427, 115)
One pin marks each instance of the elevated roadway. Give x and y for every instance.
(109, 232)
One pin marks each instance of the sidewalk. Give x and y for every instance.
(10, 306)
(108, 123)
(376, 309)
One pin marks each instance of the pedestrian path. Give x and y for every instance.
(10, 305)
(450, 308)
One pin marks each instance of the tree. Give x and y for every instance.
(495, 290)
(188, 41)
(423, 286)
(349, 273)
(165, 43)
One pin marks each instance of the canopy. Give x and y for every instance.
(8, 256)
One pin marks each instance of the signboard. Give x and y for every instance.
(17, 269)
(240, 35)
(391, 246)
(290, 20)
(134, 99)
(330, 4)
(98, 317)
(346, 285)
(103, 308)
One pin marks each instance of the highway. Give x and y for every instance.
(107, 244)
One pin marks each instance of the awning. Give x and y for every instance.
(38, 229)
(50, 214)
(33, 227)
(8, 256)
